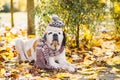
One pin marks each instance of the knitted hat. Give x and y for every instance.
(56, 22)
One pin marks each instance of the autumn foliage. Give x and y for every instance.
(93, 41)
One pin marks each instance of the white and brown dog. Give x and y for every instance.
(55, 39)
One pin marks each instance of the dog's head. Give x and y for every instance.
(55, 38)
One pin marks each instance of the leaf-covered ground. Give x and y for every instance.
(97, 61)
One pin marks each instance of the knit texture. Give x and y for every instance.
(56, 22)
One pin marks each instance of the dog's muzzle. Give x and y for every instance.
(55, 37)
(55, 42)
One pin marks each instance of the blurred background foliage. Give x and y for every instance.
(18, 5)
(84, 19)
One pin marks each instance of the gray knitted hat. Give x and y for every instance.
(56, 22)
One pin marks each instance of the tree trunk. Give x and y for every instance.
(12, 11)
(77, 37)
(31, 17)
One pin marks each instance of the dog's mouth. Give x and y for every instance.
(55, 44)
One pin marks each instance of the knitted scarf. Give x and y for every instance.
(43, 52)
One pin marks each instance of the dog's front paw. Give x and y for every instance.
(72, 69)
(69, 67)
(56, 66)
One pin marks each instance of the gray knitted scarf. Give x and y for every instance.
(43, 53)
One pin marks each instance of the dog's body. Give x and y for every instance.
(26, 49)
(54, 38)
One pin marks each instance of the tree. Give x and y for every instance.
(74, 13)
(12, 11)
(31, 18)
(116, 15)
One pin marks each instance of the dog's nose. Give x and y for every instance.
(55, 37)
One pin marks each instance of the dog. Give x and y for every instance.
(54, 38)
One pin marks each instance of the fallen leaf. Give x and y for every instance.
(63, 75)
(92, 77)
(2, 72)
(7, 28)
(115, 70)
(113, 61)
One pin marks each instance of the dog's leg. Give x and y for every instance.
(19, 46)
(53, 63)
(64, 64)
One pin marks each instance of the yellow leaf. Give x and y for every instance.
(87, 71)
(70, 60)
(31, 36)
(95, 42)
(1, 38)
(56, 3)
(102, 1)
(73, 44)
(9, 37)
(101, 17)
(93, 70)
(2, 71)
(116, 7)
(69, 38)
(7, 28)
(24, 32)
(117, 45)
(114, 70)
(8, 55)
(92, 77)
(113, 61)
(87, 34)
(116, 60)
(11, 56)
(62, 75)
(8, 49)
(88, 62)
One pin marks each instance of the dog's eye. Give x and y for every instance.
(49, 33)
(59, 33)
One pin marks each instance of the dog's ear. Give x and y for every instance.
(44, 37)
(64, 39)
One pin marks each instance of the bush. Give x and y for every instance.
(6, 8)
